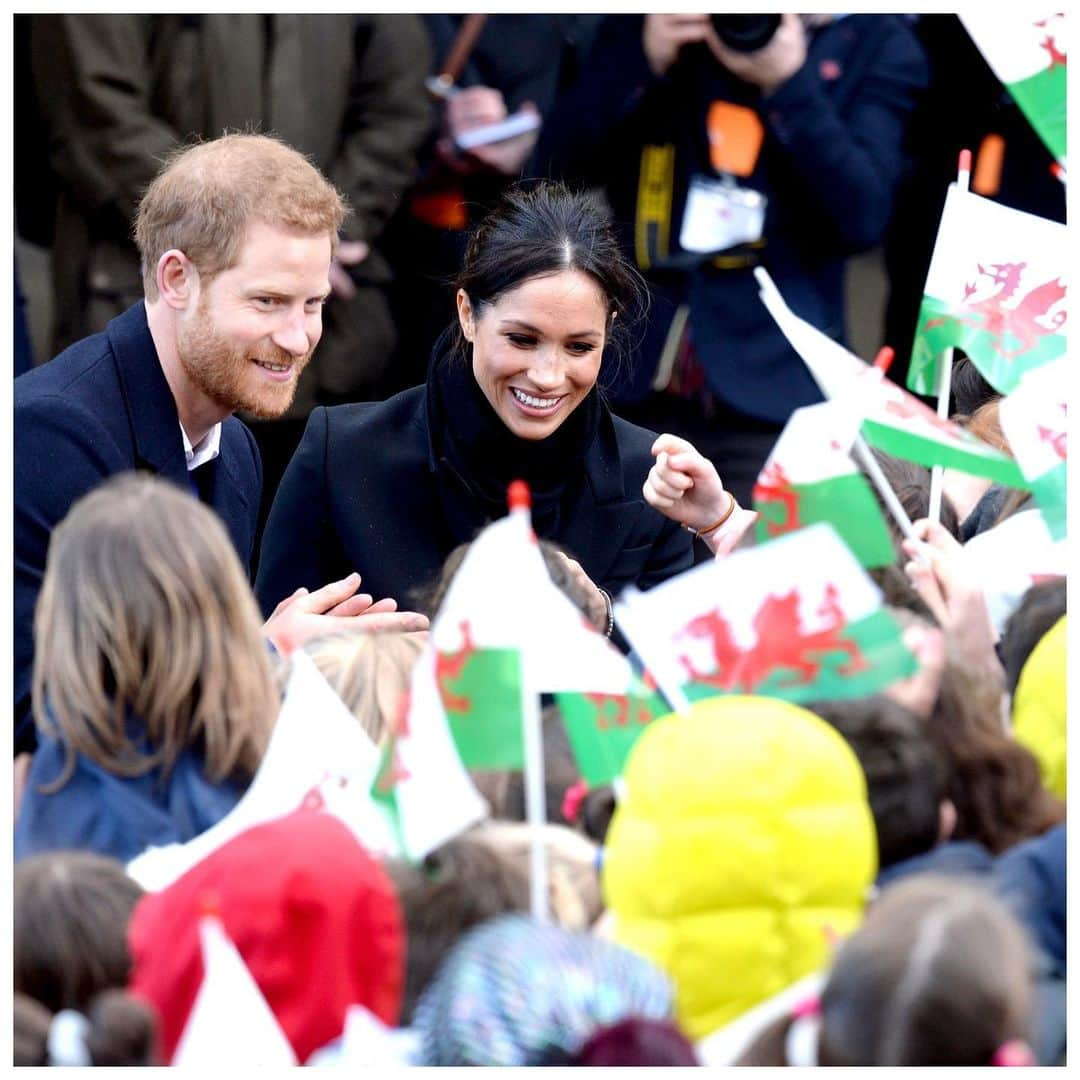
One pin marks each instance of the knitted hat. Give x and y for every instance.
(742, 843)
(1039, 707)
(313, 915)
(513, 991)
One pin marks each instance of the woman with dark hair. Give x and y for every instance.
(544, 296)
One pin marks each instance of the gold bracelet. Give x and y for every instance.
(699, 533)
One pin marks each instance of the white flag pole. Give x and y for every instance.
(519, 502)
(963, 181)
(651, 653)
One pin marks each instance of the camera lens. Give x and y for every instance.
(745, 33)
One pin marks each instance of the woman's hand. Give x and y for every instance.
(684, 485)
(944, 580)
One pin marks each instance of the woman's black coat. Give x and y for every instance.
(365, 491)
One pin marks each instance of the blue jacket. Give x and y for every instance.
(830, 164)
(102, 407)
(116, 815)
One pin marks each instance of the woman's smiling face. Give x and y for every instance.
(536, 351)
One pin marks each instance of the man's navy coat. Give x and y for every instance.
(103, 407)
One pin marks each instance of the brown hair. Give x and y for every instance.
(369, 672)
(121, 1031)
(992, 780)
(71, 913)
(938, 974)
(207, 193)
(457, 886)
(985, 424)
(911, 482)
(145, 613)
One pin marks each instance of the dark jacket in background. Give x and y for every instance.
(120, 91)
(104, 407)
(832, 156)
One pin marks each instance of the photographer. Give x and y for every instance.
(726, 142)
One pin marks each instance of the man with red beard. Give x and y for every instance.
(236, 238)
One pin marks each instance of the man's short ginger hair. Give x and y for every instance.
(208, 193)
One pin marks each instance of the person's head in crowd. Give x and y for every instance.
(743, 840)
(1040, 707)
(236, 237)
(430, 599)
(1038, 611)
(575, 899)
(313, 915)
(369, 672)
(71, 915)
(905, 775)
(991, 779)
(969, 390)
(457, 886)
(117, 1029)
(148, 638)
(936, 975)
(544, 293)
(516, 992)
(504, 789)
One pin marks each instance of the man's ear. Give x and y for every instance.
(946, 820)
(465, 314)
(177, 279)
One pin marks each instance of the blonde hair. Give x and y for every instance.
(145, 614)
(206, 195)
(369, 672)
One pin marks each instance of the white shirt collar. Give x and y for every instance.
(207, 450)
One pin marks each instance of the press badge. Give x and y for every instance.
(719, 214)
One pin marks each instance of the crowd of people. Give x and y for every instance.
(205, 481)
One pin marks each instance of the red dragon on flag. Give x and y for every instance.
(780, 643)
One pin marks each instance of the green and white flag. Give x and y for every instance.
(996, 288)
(1034, 420)
(492, 644)
(810, 477)
(421, 783)
(603, 727)
(1026, 50)
(894, 421)
(795, 618)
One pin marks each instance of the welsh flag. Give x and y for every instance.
(795, 618)
(1033, 418)
(230, 1026)
(810, 477)
(1026, 49)
(603, 727)
(894, 421)
(996, 288)
(492, 645)
(421, 784)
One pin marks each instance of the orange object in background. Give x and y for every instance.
(443, 208)
(986, 179)
(735, 137)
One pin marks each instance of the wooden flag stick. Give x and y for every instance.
(963, 180)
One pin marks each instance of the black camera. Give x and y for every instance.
(745, 33)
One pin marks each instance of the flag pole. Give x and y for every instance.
(626, 617)
(519, 501)
(937, 473)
